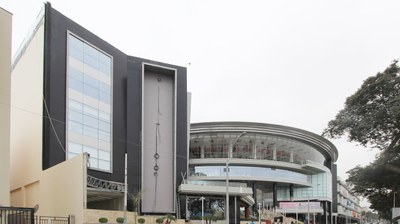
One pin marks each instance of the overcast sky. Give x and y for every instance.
(288, 62)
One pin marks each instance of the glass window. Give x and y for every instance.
(104, 136)
(75, 148)
(104, 126)
(91, 81)
(94, 153)
(104, 165)
(104, 97)
(75, 105)
(75, 127)
(211, 206)
(89, 120)
(104, 116)
(76, 53)
(90, 132)
(90, 111)
(76, 85)
(90, 91)
(75, 116)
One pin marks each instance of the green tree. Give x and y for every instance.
(371, 117)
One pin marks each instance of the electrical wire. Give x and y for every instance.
(52, 126)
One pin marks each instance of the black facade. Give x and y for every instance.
(127, 111)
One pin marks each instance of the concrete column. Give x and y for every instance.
(275, 195)
(254, 146)
(291, 155)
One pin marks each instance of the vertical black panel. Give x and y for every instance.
(334, 189)
(133, 102)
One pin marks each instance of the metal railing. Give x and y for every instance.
(14, 215)
(53, 220)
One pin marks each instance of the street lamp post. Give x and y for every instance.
(202, 209)
(227, 175)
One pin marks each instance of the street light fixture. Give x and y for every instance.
(227, 175)
(202, 209)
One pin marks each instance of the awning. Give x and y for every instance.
(245, 193)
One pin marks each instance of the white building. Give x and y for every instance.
(348, 205)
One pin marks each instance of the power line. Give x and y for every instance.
(52, 126)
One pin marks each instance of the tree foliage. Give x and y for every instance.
(378, 181)
(371, 117)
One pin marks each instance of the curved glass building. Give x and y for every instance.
(270, 167)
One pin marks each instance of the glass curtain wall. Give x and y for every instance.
(252, 146)
(89, 103)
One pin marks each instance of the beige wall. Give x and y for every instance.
(26, 115)
(59, 190)
(5, 81)
(63, 189)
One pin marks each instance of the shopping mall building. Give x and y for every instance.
(271, 167)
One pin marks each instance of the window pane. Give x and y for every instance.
(75, 148)
(92, 151)
(105, 165)
(104, 155)
(90, 121)
(75, 84)
(90, 132)
(93, 162)
(75, 105)
(90, 81)
(76, 53)
(90, 111)
(104, 136)
(104, 116)
(75, 116)
(75, 127)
